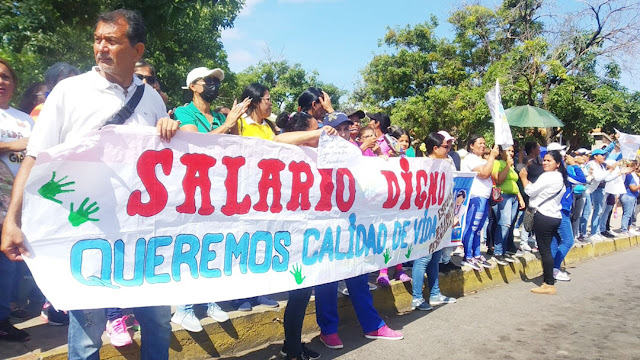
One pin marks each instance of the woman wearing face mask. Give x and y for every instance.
(197, 115)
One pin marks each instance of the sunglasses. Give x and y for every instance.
(444, 146)
(150, 79)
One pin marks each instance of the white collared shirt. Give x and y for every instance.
(550, 185)
(83, 103)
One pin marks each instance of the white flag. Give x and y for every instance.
(629, 145)
(502, 131)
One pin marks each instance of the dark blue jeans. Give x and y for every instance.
(293, 318)
(7, 281)
(361, 298)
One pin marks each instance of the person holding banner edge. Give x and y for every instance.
(197, 117)
(362, 300)
(437, 147)
(77, 106)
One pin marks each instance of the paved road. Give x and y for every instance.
(595, 316)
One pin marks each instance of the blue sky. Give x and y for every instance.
(337, 38)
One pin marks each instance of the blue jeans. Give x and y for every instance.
(361, 298)
(86, 328)
(576, 213)
(605, 217)
(476, 218)
(586, 212)
(505, 214)
(628, 210)
(446, 254)
(7, 282)
(597, 203)
(431, 265)
(560, 247)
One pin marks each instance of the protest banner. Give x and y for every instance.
(462, 182)
(122, 219)
(501, 129)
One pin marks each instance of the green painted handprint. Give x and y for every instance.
(52, 188)
(81, 216)
(387, 255)
(408, 254)
(297, 274)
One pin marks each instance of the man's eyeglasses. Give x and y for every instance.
(150, 79)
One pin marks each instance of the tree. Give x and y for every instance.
(181, 35)
(429, 84)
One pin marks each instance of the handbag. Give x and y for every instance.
(496, 195)
(530, 212)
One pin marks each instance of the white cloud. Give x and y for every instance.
(249, 6)
(241, 59)
(230, 34)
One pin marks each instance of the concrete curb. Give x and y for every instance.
(248, 332)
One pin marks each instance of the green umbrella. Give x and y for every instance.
(531, 116)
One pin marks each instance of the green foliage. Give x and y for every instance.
(428, 84)
(181, 35)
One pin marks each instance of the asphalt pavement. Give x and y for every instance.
(594, 316)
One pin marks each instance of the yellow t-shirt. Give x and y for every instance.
(250, 128)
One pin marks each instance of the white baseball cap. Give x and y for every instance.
(203, 72)
(446, 135)
(555, 146)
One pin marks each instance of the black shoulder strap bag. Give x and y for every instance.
(530, 212)
(127, 110)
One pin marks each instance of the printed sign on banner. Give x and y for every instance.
(122, 219)
(461, 186)
(335, 152)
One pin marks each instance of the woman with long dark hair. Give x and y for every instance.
(545, 196)
(436, 147)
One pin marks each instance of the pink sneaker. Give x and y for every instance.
(117, 332)
(385, 333)
(332, 341)
(401, 276)
(383, 280)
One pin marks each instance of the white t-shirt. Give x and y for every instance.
(14, 125)
(83, 103)
(480, 187)
(549, 185)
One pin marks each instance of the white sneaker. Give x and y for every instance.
(342, 288)
(216, 313)
(560, 275)
(524, 246)
(188, 320)
(596, 238)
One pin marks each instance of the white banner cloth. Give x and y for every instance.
(501, 128)
(122, 219)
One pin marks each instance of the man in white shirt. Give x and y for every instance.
(77, 106)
